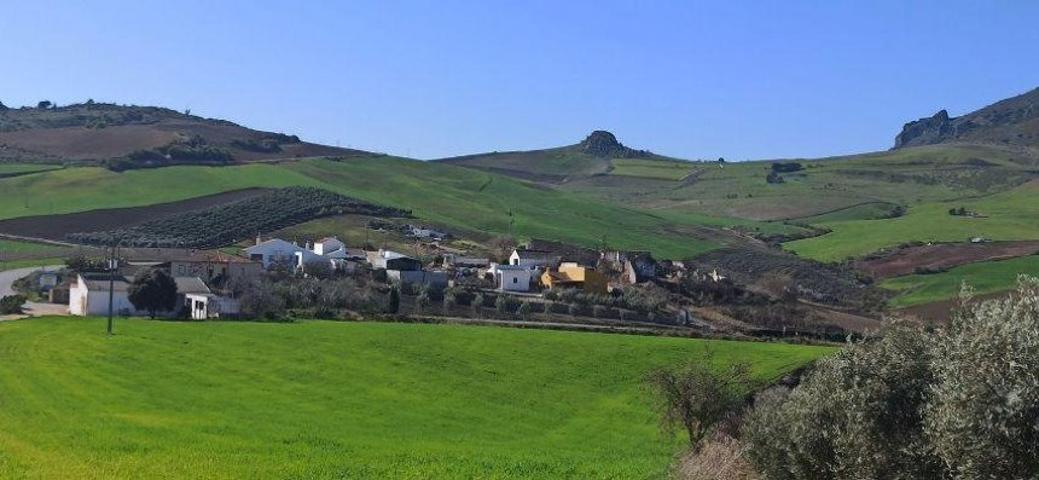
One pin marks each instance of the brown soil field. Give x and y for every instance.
(941, 256)
(55, 227)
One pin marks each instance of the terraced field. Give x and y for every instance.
(338, 400)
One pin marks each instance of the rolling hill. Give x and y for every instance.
(95, 133)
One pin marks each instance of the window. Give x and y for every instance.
(515, 280)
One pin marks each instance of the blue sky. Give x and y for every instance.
(743, 80)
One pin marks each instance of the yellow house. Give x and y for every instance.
(572, 275)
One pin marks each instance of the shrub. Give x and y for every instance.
(501, 304)
(12, 304)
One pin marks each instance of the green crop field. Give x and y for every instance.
(1008, 215)
(11, 247)
(338, 400)
(984, 277)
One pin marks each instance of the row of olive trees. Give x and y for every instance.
(961, 402)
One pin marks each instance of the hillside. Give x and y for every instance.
(101, 132)
(361, 400)
(599, 153)
(1014, 121)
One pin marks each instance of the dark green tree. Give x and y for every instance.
(153, 290)
(394, 305)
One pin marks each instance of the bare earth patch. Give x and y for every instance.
(943, 256)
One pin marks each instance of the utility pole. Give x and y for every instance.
(111, 286)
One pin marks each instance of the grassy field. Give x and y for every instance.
(1008, 215)
(20, 168)
(634, 167)
(11, 247)
(338, 400)
(985, 277)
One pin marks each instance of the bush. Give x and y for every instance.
(962, 403)
(154, 291)
(12, 304)
(524, 311)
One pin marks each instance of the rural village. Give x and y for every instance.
(402, 240)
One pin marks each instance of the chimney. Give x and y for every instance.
(259, 240)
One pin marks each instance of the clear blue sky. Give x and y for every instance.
(438, 78)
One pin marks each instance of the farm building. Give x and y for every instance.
(203, 306)
(327, 245)
(390, 260)
(89, 296)
(572, 275)
(457, 261)
(511, 278)
(635, 267)
(279, 252)
(210, 266)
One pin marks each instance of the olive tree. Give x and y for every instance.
(983, 420)
(697, 395)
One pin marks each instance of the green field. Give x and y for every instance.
(1008, 215)
(985, 277)
(33, 248)
(21, 168)
(444, 194)
(338, 400)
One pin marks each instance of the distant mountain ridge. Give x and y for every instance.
(136, 136)
(1013, 121)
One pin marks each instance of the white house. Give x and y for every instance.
(511, 278)
(277, 251)
(328, 245)
(533, 259)
(88, 295)
(204, 306)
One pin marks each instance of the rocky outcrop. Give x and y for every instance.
(1014, 121)
(601, 143)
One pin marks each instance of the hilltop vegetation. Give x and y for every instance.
(360, 400)
(1014, 121)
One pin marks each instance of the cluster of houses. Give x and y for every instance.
(202, 275)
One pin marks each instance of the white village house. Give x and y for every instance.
(204, 306)
(533, 259)
(511, 278)
(279, 252)
(89, 296)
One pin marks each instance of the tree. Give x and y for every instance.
(44, 104)
(3, 107)
(524, 310)
(423, 299)
(154, 291)
(477, 303)
(696, 396)
(394, 303)
(983, 417)
(450, 299)
(958, 403)
(261, 301)
(501, 304)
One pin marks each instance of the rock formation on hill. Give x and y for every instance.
(1014, 121)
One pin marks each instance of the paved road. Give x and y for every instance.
(8, 277)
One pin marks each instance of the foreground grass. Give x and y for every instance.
(984, 277)
(337, 400)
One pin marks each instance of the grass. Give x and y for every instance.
(984, 277)
(1009, 215)
(22, 168)
(338, 400)
(30, 262)
(22, 247)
